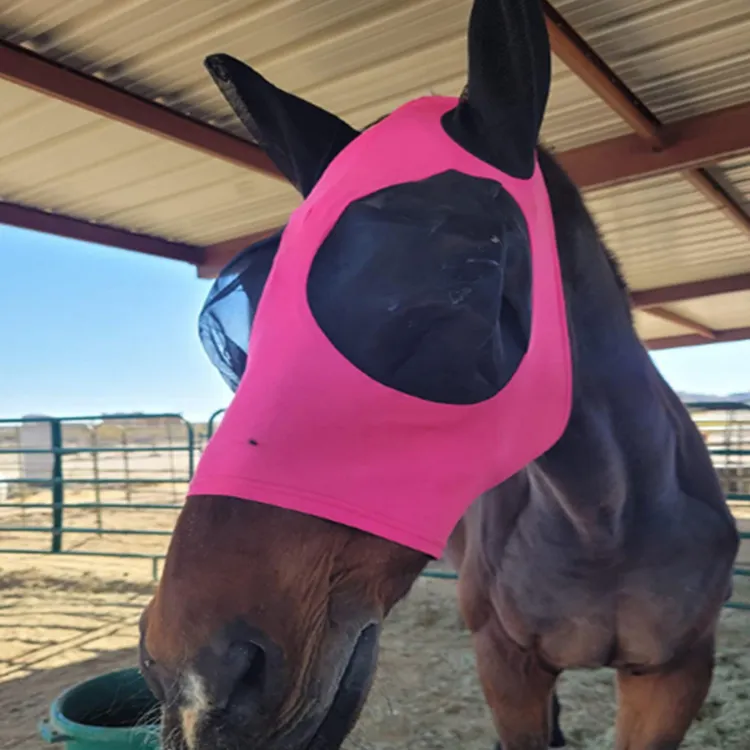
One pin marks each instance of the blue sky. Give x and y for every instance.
(88, 329)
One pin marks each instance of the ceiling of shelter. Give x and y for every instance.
(111, 130)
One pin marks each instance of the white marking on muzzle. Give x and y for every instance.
(195, 704)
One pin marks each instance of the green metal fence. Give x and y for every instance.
(110, 486)
(90, 485)
(725, 428)
(213, 422)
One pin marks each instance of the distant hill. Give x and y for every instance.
(735, 397)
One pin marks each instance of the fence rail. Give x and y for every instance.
(110, 486)
(725, 428)
(79, 485)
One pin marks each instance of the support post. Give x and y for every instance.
(58, 488)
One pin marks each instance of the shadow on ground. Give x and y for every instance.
(24, 701)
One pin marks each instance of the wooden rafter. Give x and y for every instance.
(24, 217)
(692, 290)
(694, 339)
(706, 184)
(653, 148)
(682, 321)
(698, 141)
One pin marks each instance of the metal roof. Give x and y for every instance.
(665, 232)
(666, 174)
(62, 158)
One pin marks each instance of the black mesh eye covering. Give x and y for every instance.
(411, 286)
(226, 319)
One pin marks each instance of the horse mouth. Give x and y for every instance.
(351, 693)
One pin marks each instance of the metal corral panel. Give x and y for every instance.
(682, 57)
(665, 232)
(719, 312)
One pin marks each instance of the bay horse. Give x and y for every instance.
(614, 548)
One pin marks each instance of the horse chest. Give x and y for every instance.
(569, 620)
(635, 603)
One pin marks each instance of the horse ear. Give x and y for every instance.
(500, 113)
(300, 138)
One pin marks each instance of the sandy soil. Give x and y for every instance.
(62, 623)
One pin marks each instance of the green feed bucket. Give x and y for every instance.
(115, 711)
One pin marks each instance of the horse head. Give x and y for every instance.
(351, 449)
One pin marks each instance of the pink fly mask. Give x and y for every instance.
(401, 347)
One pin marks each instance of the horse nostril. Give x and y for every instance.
(240, 670)
(234, 674)
(251, 668)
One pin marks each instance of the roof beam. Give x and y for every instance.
(694, 339)
(35, 220)
(692, 290)
(704, 183)
(694, 142)
(35, 72)
(682, 321)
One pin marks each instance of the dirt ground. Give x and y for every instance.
(63, 621)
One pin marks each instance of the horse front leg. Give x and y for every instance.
(656, 710)
(557, 739)
(519, 690)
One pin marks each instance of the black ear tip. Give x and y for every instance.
(221, 66)
(215, 65)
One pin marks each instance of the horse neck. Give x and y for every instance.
(625, 420)
(622, 445)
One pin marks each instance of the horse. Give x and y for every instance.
(612, 548)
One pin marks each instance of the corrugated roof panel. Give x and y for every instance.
(720, 312)
(681, 57)
(299, 45)
(359, 59)
(64, 159)
(664, 231)
(575, 115)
